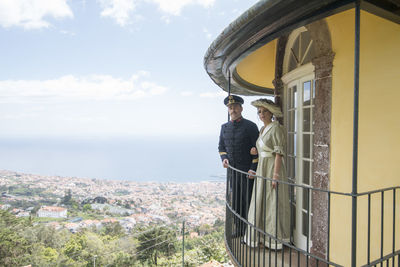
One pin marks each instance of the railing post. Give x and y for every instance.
(355, 134)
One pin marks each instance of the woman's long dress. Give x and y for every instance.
(264, 200)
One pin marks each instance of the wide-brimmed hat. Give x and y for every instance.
(233, 99)
(268, 104)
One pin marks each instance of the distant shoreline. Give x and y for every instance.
(132, 159)
(4, 171)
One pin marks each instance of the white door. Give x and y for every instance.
(299, 95)
(299, 104)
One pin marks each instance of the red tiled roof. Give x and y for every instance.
(52, 208)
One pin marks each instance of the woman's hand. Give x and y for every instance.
(273, 183)
(276, 176)
(253, 151)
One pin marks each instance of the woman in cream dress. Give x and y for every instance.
(264, 201)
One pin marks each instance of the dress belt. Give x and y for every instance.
(265, 154)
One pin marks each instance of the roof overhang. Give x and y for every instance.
(268, 20)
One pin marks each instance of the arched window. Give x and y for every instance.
(301, 49)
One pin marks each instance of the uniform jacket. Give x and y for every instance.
(235, 141)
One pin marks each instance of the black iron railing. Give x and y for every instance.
(244, 253)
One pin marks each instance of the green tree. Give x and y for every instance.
(212, 249)
(73, 247)
(204, 229)
(87, 208)
(113, 229)
(15, 250)
(157, 242)
(44, 256)
(122, 259)
(219, 224)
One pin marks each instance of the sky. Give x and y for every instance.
(111, 67)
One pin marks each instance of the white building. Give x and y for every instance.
(52, 212)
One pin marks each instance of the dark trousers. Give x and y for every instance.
(241, 188)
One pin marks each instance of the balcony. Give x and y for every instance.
(377, 226)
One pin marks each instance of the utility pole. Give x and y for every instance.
(183, 244)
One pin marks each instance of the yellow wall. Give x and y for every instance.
(259, 67)
(379, 129)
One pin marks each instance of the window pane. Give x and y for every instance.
(306, 172)
(310, 54)
(291, 121)
(295, 96)
(305, 40)
(292, 62)
(306, 198)
(306, 93)
(291, 169)
(305, 223)
(293, 212)
(288, 166)
(292, 96)
(294, 199)
(306, 146)
(306, 120)
(290, 144)
(306, 47)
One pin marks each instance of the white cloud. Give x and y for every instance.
(30, 14)
(186, 93)
(18, 116)
(67, 33)
(174, 7)
(213, 94)
(166, 19)
(120, 10)
(69, 87)
(207, 33)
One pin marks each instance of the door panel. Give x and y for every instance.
(299, 104)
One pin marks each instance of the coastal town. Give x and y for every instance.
(127, 202)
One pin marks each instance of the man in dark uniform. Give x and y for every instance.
(237, 137)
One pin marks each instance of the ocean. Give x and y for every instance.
(134, 159)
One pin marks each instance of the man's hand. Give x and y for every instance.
(251, 174)
(225, 163)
